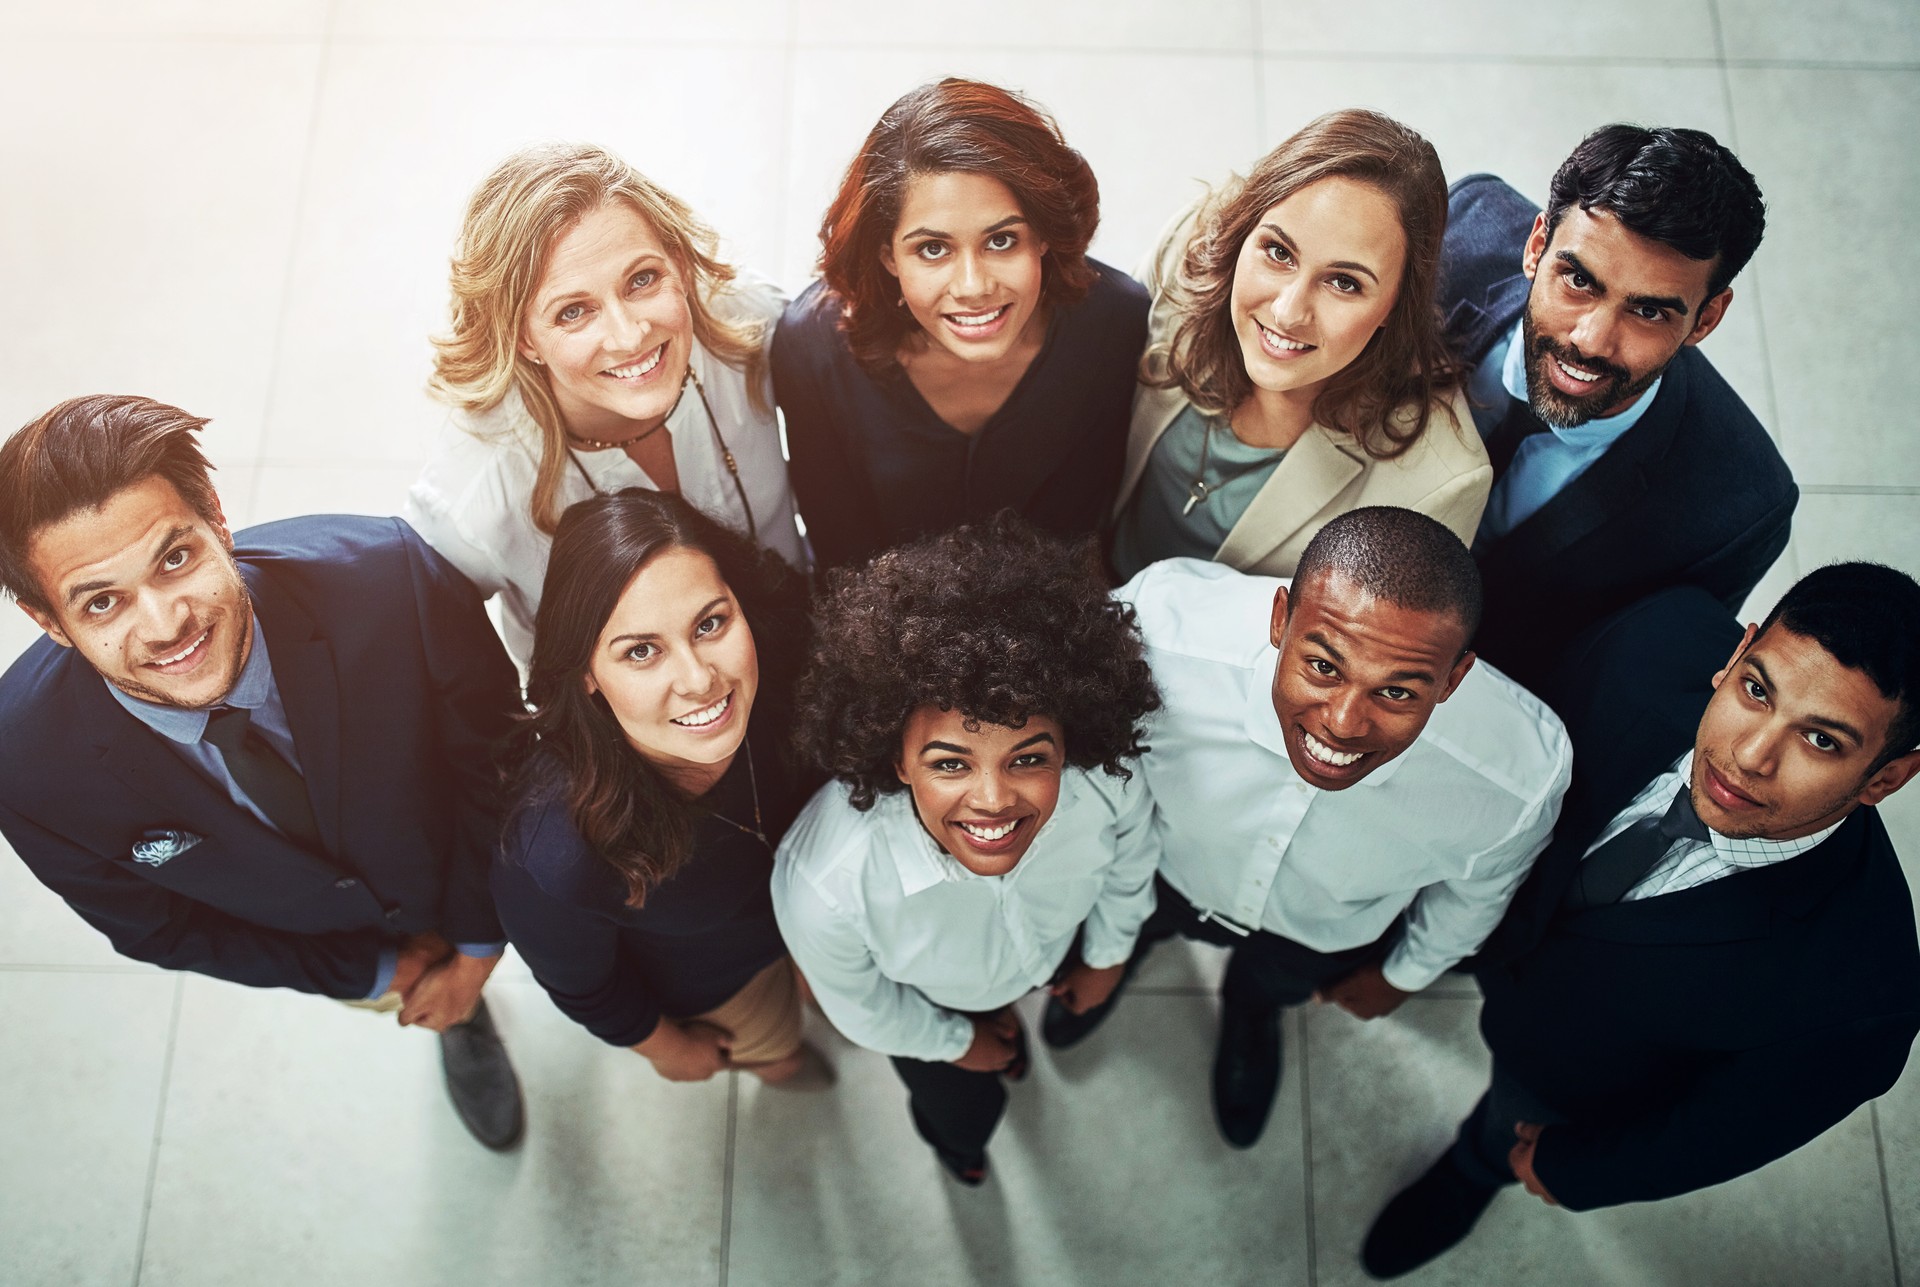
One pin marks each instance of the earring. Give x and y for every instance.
(901, 302)
(536, 361)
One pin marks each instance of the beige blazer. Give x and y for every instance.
(1444, 475)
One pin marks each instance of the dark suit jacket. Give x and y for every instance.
(1694, 494)
(396, 690)
(1691, 1037)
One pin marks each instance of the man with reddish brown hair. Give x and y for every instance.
(264, 758)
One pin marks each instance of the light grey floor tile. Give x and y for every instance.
(1784, 572)
(1490, 28)
(306, 1143)
(1831, 528)
(148, 222)
(1107, 1169)
(1899, 1113)
(1387, 1097)
(1179, 964)
(1150, 158)
(116, 20)
(1225, 25)
(1868, 31)
(643, 25)
(364, 487)
(81, 1066)
(37, 928)
(1833, 153)
(408, 130)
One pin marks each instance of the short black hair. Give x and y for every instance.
(993, 620)
(1681, 188)
(1868, 616)
(1401, 556)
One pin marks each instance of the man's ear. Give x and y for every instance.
(1536, 246)
(48, 624)
(1890, 777)
(1710, 314)
(1458, 673)
(1278, 626)
(1746, 640)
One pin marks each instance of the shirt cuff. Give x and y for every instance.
(1409, 975)
(480, 949)
(383, 977)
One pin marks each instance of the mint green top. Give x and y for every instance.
(1158, 523)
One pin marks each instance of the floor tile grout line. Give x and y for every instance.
(1886, 1192)
(1858, 489)
(726, 1191)
(159, 1129)
(1306, 1148)
(132, 970)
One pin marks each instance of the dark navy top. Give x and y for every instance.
(873, 465)
(701, 936)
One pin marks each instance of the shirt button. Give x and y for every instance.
(392, 913)
(345, 882)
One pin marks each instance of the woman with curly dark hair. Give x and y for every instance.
(633, 877)
(960, 354)
(978, 697)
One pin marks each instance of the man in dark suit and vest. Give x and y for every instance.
(1716, 959)
(267, 758)
(1623, 463)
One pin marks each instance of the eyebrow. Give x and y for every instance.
(178, 532)
(645, 635)
(1007, 222)
(1326, 645)
(945, 746)
(639, 259)
(1349, 264)
(1672, 303)
(1035, 740)
(1839, 726)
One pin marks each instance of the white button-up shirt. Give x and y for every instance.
(474, 500)
(898, 940)
(1443, 832)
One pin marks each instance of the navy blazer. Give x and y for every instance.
(1694, 494)
(396, 690)
(1695, 1036)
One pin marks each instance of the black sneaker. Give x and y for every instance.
(1246, 1073)
(1426, 1218)
(970, 1171)
(481, 1082)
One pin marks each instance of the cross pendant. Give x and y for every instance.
(1195, 495)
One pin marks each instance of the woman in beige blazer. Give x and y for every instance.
(1295, 368)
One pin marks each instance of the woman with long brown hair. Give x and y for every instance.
(653, 785)
(961, 354)
(1296, 369)
(598, 342)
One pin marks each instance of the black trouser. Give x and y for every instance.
(1265, 971)
(954, 1109)
(1486, 1137)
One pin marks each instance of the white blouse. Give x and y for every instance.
(473, 501)
(899, 940)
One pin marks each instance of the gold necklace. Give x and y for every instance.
(758, 829)
(599, 445)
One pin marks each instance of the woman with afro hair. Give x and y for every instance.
(978, 698)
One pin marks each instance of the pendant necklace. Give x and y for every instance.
(758, 829)
(1198, 491)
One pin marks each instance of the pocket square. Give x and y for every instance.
(156, 847)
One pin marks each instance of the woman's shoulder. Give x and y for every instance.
(748, 300)
(1450, 446)
(541, 836)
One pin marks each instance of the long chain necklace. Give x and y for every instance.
(1200, 490)
(758, 829)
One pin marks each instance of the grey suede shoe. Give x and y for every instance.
(481, 1082)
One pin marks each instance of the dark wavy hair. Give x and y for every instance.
(1405, 364)
(993, 620)
(1681, 188)
(954, 126)
(619, 802)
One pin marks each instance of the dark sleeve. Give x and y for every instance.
(476, 693)
(1080, 495)
(151, 923)
(575, 954)
(1736, 1116)
(1731, 572)
(828, 486)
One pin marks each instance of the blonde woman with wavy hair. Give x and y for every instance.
(1295, 368)
(597, 342)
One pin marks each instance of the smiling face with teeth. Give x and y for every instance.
(1358, 676)
(677, 667)
(982, 790)
(148, 592)
(610, 326)
(1607, 311)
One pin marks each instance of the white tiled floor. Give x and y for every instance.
(247, 208)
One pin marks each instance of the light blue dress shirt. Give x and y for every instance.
(1546, 462)
(256, 693)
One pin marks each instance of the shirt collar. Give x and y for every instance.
(1755, 851)
(249, 692)
(1263, 729)
(1594, 433)
(920, 862)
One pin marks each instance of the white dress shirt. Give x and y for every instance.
(898, 940)
(1443, 832)
(473, 501)
(1689, 862)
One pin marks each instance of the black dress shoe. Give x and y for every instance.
(1061, 1027)
(1429, 1216)
(970, 1171)
(1246, 1073)
(480, 1081)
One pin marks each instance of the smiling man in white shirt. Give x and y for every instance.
(1340, 794)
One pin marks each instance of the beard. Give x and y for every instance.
(1565, 411)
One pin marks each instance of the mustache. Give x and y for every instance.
(1547, 346)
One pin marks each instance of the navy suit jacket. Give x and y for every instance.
(1691, 1037)
(1694, 494)
(397, 692)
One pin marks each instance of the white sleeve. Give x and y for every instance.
(1126, 900)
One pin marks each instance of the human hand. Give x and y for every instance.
(447, 992)
(690, 1051)
(995, 1043)
(1083, 987)
(415, 957)
(1365, 993)
(1521, 1160)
